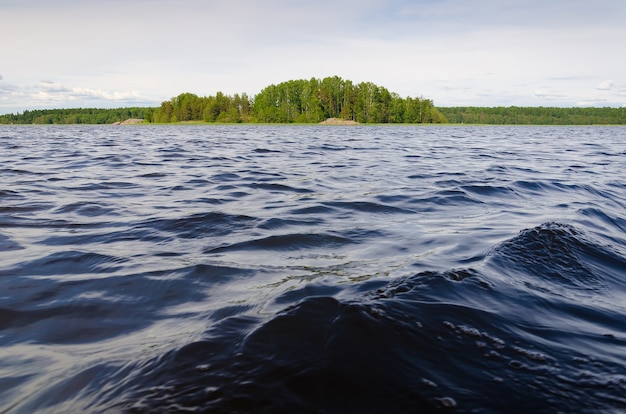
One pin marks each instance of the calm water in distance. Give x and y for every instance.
(312, 269)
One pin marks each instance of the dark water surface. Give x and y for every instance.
(312, 269)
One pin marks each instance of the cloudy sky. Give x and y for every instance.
(112, 53)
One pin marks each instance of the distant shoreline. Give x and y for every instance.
(454, 115)
(295, 124)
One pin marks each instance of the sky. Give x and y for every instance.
(119, 53)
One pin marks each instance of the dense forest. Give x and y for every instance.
(514, 115)
(302, 101)
(74, 116)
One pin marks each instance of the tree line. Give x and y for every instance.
(514, 115)
(301, 101)
(74, 116)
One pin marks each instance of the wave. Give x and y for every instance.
(94, 298)
(511, 334)
(287, 242)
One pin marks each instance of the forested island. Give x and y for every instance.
(302, 101)
(316, 100)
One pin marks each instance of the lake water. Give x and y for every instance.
(312, 269)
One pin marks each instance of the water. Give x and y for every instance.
(312, 269)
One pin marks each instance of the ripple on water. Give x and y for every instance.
(312, 269)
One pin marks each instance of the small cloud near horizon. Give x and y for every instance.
(605, 86)
(1, 76)
(54, 91)
(542, 93)
(595, 103)
(50, 86)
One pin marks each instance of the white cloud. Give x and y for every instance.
(50, 90)
(605, 86)
(8, 89)
(50, 86)
(592, 103)
(1, 76)
(105, 95)
(548, 94)
(53, 91)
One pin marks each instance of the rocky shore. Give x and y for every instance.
(338, 121)
(130, 121)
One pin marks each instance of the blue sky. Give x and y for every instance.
(112, 53)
